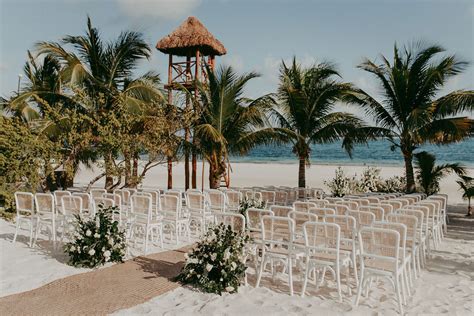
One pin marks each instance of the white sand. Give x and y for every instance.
(446, 286)
(259, 174)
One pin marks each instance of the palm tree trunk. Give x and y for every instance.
(469, 209)
(186, 158)
(170, 172)
(135, 171)
(194, 170)
(408, 156)
(302, 173)
(128, 169)
(109, 179)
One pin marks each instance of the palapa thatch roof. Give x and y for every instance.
(189, 37)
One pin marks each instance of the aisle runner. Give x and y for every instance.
(100, 292)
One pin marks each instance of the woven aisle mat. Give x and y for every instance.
(102, 291)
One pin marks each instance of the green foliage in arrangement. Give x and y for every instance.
(246, 203)
(466, 184)
(96, 241)
(216, 264)
(25, 159)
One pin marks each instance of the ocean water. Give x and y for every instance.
(375, 153)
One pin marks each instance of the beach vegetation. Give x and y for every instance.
(466, 185)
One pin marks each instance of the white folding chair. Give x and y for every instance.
(141, 210)
(45, 216)
(25, 212)
(173, 219)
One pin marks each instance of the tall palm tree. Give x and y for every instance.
(229, 123)
(429, 174)
(102, 71)
(466, 184)
(410, 109)
(305, 116)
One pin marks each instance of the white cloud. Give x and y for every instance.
(235, 61)
(167, 9)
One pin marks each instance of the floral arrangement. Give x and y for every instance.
(251, 203)
(96, 241)
(369, 181)
(216, 264)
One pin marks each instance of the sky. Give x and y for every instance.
(257, 34)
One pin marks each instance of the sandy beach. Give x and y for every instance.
(261, 174)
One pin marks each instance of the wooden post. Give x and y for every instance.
(187, 136)
(170, 101)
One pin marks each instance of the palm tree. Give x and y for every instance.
(429, 174)
(304, 115)
(466, 184)
(102, 71)
(410, 109)
(229, 123)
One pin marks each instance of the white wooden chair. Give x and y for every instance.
(25, 212)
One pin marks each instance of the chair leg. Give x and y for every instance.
(306, 276)
(290, 275)
(359, 288)
(31, 233)
(260, 271)
(147, 231)
(354, 265)
(338, 281)
(16, 228)
(399, 296)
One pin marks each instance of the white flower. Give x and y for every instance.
(91, 252)
(193, 261)
(72, 248)
(88, 233)
(111, 241)
(107, 254)
(96, 235)
(229, 288)
(213, 256)
(233, 266)
(226, 254)
(186, 256)
(209, 267)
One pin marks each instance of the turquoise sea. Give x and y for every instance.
(376, 153)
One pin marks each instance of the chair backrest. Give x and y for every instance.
(279, 210)
(361, 201)
(235, 221)
(155, 197)
(281, 197)
(411, 223)
(97, 193)
(362, 218)
(268, 197)
(253, 218)
(333, 200)
(411, 199)
(233, 199)
(25, 202)
(434, 209)
(117, 198)
(339, 209)
(319, 202)
(44, 203)
(380, 245)
(277, 231)
(396, 205)
(124, 195)
(417, 213)
(350, 204)
(216, 200)
(195, 201)
(400, 228)
(86, 200)
(292, 195)
(377, 210)
(347, 224)
(303, 206)
(300, 218)
(403, 200)
(373, 199)
(101, 202)
(141, 206)
(439, 197)
(176, 193)
(321, 212)
(321, 237)
(71, 205)
(170, 207)
(58, 194)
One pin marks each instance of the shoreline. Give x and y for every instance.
(246, 174)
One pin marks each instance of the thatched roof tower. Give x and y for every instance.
(189, 37)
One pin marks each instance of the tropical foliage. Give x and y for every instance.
(305, 113)
(96, 241)
(410, 109)
(429, 174)
(466, 184)
(216, 264)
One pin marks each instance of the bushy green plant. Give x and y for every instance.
(369, 179)
(340, 185)
(216, 264)
(395, 184)
(246, 203)
(97, 240)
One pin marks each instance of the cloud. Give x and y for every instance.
(235, 61)
(167, 9)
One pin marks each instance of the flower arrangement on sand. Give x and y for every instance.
(97, 240)
(216, 264)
